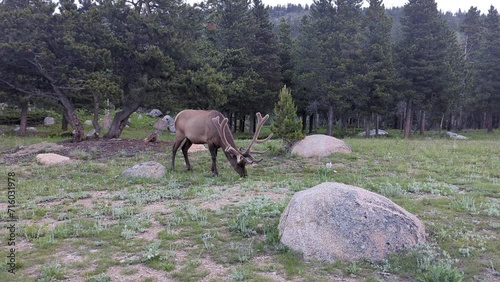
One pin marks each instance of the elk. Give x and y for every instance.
(210, 127)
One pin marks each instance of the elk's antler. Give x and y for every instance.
(221, 129)
(260, 122)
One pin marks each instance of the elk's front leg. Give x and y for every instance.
(213, 151)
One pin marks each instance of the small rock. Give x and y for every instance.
(196, 148)
(455, 136)
(155, 113)
(49, 121)
(106, 122)
(149, 169)
(51, 159)
(88, 122)
(373, 132)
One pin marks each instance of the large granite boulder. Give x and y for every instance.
(334, 221)
(320, 145)
(147, 170)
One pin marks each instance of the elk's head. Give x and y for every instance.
(239, 158)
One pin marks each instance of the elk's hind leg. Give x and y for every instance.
(185, 149)
(177, 145)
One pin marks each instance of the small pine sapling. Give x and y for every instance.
(285, 123)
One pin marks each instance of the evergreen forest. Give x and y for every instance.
(411, 68)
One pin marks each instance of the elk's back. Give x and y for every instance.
(197, 126)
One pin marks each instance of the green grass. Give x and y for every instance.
(82, 219)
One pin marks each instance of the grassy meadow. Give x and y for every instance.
(83, 222)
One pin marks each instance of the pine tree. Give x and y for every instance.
(423, 58)
(379, 64)
(285, 124)
(488, 69)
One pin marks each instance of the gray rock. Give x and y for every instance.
(149, 169)
(31, 128)
(160, 124)
(88, 122)
(320, 145)
(49, 121)
(155, 113)
(171, 123)
(91, 133)
(197, 148)
(106, 122)
(373, 132)
(455, 136)
(51, 159)
(334, 221)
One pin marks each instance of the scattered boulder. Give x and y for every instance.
(49, 121)
(139, 117)
(373, 132)
(196, 148)
(334, 221)
(165, 123)
(92, 133)
(31, 128)
(160, 124)
(152, 137)
(43, 147)
(320, 145)
(171, 123)
(106, 122)
(155, 113)
(455, 136)
(149, 169)
(88, 122)
(51, 159)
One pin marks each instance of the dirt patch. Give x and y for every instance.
(135, 273)
(92, 148)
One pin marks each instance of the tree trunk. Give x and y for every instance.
(304, 122)
(408, 120)
(377, 126)
(78, 132)
(95, 121)
(441, 124)
(329, 130)
(251, 123)
(489, 122)
(64, 122)
(367, 128)
(311, 123)
(24, 118)
(242, 123)
(120, 121)
(422, 122)
(316, 123)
